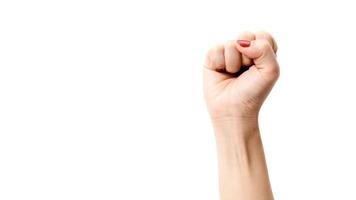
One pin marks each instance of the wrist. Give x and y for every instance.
(235, 134)
(233, 113)
(233, 126)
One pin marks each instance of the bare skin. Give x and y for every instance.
(238, 76)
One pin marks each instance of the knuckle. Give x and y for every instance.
(265, 45)
(266, 35)
(217, 47)
(210, 54)
(246, 35)
(229, 44)
(213, 55)
(275, 72)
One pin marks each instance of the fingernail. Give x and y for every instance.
(244, 43)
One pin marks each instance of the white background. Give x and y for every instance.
(103, 100)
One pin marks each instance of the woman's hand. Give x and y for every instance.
(237, 79)
(239, 75)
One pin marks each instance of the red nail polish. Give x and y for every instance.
(244, 43)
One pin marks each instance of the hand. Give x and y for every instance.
(239, 75)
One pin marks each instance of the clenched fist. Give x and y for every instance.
(239, 74)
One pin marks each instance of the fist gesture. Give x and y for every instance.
(239, 75)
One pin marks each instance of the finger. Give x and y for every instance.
(246, 36)
(233, 57)
(268, 37)
(262, 54)
(214, 65)
(215, 58)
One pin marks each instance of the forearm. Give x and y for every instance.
(243, 172)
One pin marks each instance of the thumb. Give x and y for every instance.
(261, 51)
